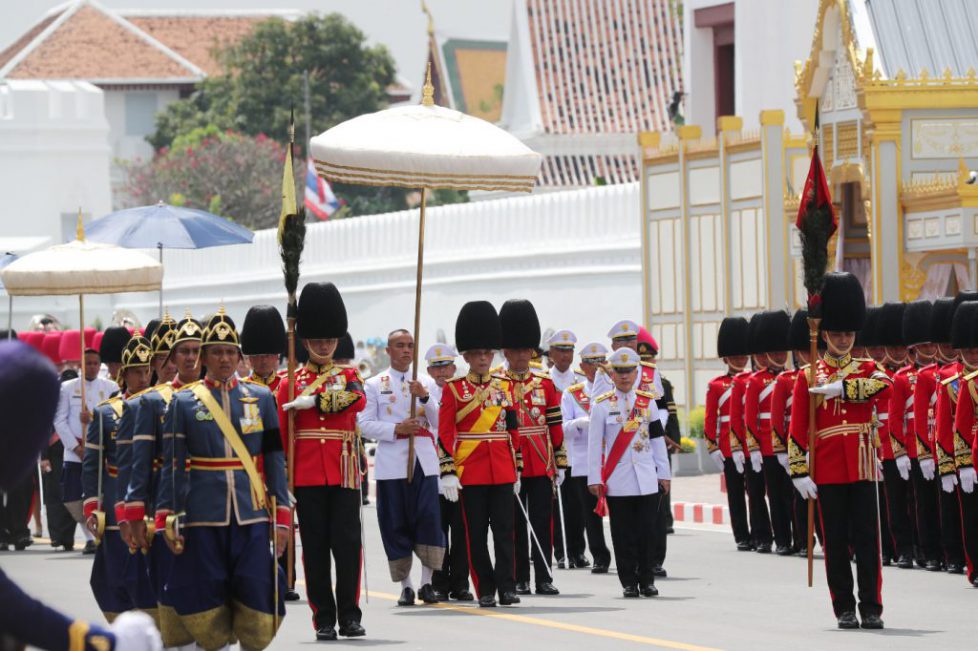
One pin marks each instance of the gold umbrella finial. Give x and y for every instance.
(80, 228)
(431, 21)
(428, 91)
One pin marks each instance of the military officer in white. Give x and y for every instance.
(624, 334)
(575, 404)
(408, 512)
(561, 352)
(627, 465)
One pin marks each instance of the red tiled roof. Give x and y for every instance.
(92, 45)
(605, 67)
(583, 170)
(8, 53)
(197, 37)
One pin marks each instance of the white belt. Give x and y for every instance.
(724, 419)
(764, 415)
(882, 417)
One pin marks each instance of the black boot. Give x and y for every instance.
(848, 620)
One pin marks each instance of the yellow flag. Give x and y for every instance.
(289, 206)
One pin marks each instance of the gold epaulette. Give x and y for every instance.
(578, 371)
(804, 367)
(251, 380)
(540, 374)
(535, 364)
(496, 370)
(456, 378)
(864, 359)
(604, 396)
(140, 393)
(970, 376)
(649, 364)
(644, 394)
(575, 387)
(189, 387)
(109, 401)
(948, 380)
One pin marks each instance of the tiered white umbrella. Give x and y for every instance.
(428, 147)
(82, 267)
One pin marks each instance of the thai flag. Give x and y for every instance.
(320, 199)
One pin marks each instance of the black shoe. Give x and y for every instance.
(365, 501)
(600, 568)
(974, 582)
(547, 588)
(649, 590)
(580, 561)
(659, 572)
(670, 530)
(561, 565)
(872, 621)
(630, 592)
(955, 567)
(69, 547)
(427, 594)
(326, 634)
(90, 547)
(802, 553)
(23, 543)
(763, 548)
(522, 587)
(784, 550)
(887, 560)
(292, 595)
(848, 620)
(407, 597)
(508, 599)
(905, 562)
(441, 596)
(932, 566)
(743, 546)
(4, 547)
(461, 595)
(352, 629)
(487, 602)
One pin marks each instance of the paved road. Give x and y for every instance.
(714, 598)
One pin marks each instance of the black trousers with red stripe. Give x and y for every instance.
(969, 530)
(537, 496)
(486, 506)
(899, 508)
(849, 519)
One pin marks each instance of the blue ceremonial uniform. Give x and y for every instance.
(110, 557)
(222, 584)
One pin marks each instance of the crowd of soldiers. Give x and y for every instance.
(187, 468)
(895, 399)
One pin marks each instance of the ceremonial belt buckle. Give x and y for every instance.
(483, 436)
(329, 434)
(99, 526)
(172, 531)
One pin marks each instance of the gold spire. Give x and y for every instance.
(428, 91)
(80, 228)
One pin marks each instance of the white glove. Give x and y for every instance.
(738, 459)
(948, 482)
(516, 486)
(879, 469)
(926, 468)
(756, 461)
(783, 460)
(301, 402)
(903, 467)
(134, 631)
(806, 487)
(830, 390)
(717, 457)
(560, 476)
(968, 477)
(450, 486)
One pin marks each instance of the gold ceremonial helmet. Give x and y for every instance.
(220, 330)
(137, 352)
(162, 338)
(189, 329)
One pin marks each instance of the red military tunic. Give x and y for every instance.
(902, 420)
(541, 434)
(325, 435)
(745, 439)
(845, 444)
(921, 445)
(716, 419)
(885, 450)
(781, 399)
(477, 430)
(955, 445)
(944, 434)
(757, 410)
(272, 382)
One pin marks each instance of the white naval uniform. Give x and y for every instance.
(604, 384)
(389, 403)
(67, 421)
(566, 379)
(575, 430)
(639, 470)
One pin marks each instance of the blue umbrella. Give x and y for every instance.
(6, 259)
(163, 225)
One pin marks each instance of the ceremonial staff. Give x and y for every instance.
(291, 241)
(816, 223)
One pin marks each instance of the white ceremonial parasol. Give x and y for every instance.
(81, 267)
(427, 147)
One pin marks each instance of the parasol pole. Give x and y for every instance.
(81, 330)
(417, 331)
(159, 245)
(813, 352)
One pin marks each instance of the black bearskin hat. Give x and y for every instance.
(263, 332)
(321, 313)
(732, 337)
(798, 331)
(344, 349)
(519, 323)
(843, 303)
(890, 325)
(114, 341)
(916, 323)
(868, 336)
(940, 320)
(770, 335)
(477, 326)
(963, 325)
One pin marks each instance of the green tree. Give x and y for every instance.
(263, 79)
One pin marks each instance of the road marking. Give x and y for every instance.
(546, 623)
